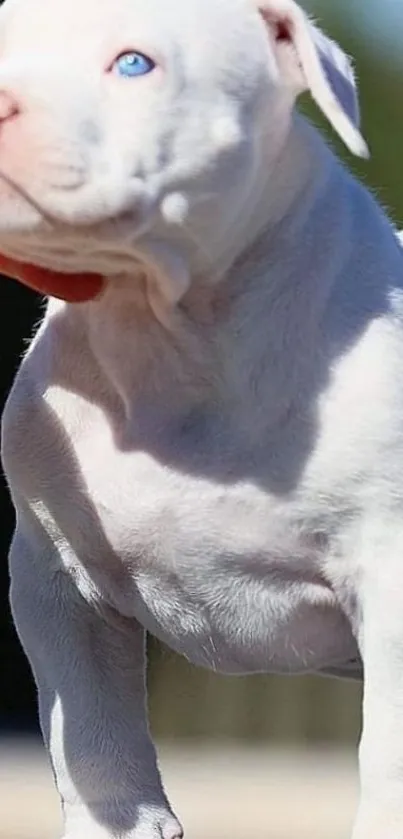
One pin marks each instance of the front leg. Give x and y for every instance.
(380, 814)
(90, 673)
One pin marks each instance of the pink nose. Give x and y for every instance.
(8, 106)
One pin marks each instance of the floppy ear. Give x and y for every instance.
(308, 60)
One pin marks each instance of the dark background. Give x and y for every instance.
(20, 309)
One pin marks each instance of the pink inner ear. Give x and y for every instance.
(283, 31)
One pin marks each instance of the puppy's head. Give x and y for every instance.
(131, 129)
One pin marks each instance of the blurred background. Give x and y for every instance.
(272, 755)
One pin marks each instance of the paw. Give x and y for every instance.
(149, 823)
(157, 826)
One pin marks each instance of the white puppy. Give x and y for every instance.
(211, 449)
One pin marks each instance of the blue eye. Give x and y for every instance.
(131, 64)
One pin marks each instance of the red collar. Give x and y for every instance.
(74, 288)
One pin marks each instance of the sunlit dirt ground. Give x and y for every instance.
(220, 793)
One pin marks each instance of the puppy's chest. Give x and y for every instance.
(213, 562)
(157, 513)
(222, 571)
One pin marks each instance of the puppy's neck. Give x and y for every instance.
(295, 167)
(157, 351)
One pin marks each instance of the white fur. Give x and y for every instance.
(213, 449)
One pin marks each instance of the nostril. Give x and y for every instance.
(8, 105)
